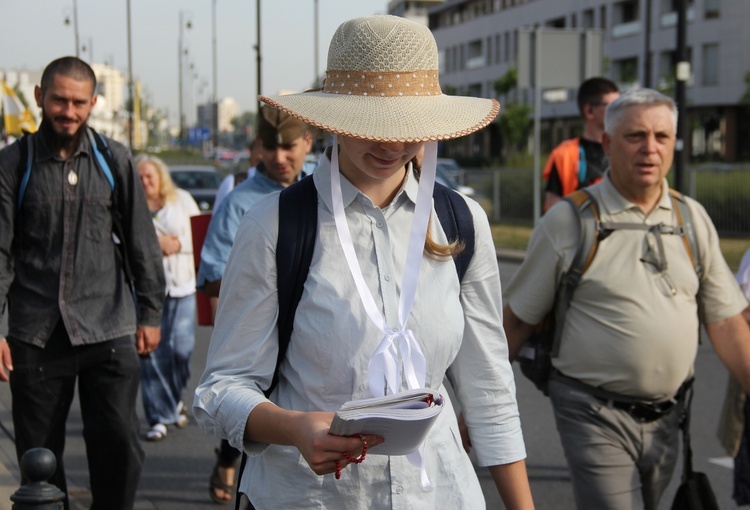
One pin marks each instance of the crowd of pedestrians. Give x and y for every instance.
(98, 290)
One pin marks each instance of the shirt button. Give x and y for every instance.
(379, 224)
(399, 490)
(387, 277)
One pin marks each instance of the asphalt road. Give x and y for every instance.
(177, 469)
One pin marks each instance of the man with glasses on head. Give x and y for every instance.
(630, 334)
(579, 162)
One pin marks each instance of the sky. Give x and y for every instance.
(33, 33)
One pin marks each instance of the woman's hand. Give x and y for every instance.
(322, 450)
(169, 245)
(308, 432)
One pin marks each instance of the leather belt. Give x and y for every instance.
(643, 411)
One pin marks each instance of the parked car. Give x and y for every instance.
(447, 170)
(202, 182)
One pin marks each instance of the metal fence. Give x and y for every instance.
(723, 189)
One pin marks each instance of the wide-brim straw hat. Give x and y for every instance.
(382, 84)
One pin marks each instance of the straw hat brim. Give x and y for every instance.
(389, 119)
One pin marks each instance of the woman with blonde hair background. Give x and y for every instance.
(382, 310)
(166, 371)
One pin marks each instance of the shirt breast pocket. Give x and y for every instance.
(98, 219)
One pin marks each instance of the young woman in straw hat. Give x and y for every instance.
(382, 292)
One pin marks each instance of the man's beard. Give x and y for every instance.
(60, 141)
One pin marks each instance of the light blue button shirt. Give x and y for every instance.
(226, 221)
(332, 342)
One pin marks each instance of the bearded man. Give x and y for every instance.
(76, 247)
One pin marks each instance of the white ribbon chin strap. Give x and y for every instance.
(399, 348)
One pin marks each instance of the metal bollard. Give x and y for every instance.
(37, 466)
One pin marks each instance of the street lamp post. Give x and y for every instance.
(75, 26)
(214, 104)
(315, 46)
(180, 57)
(682, 74)
(131, 105)
(257, 48)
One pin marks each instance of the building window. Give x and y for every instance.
(474, 55)
(556, 23)
(573, 21)
(712, 8)
(626, 70)
(506, 56)
(497, 48)
(625, 12)
(474, 90)
(587, 19)
(603, 17)
(710, 64)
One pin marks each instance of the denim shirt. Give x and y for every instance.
(226, 221)
(57, 255)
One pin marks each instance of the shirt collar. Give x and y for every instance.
(616, 203)
(349, 192)
(43, 151)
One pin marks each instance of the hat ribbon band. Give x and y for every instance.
(383, 84)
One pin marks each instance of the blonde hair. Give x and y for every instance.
(167, 188)
(432, 248)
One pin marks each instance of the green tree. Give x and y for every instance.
(514, 120)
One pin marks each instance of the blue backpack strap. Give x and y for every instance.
(582, 165)
(27, 156)
(102, 155)
(457, 222)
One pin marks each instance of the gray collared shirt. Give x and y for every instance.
(57, 255)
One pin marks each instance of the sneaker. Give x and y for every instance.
(182, 417)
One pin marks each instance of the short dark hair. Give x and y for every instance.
(71, 67)
(592, 90)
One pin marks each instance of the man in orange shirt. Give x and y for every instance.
(579, 162)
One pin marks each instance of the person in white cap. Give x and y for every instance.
(381, 283)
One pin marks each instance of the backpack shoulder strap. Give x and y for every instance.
(298, 225)
(685, 221)
(458, 224)
(25, 145)
(587, 211)
(102, 155)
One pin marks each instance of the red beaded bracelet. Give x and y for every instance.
(348, 457)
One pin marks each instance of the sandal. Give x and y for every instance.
(216, 482)
(157, 432)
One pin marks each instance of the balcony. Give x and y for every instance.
(475, 62)
(626, 29)
(669, 19)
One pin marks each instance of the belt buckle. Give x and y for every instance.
(650, 412)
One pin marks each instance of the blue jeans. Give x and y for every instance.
(165, 373)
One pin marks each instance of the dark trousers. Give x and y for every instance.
(43, 384)
(228, 455)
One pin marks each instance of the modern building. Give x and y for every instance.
(227, 110)
(479, 43)
(414, 10)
